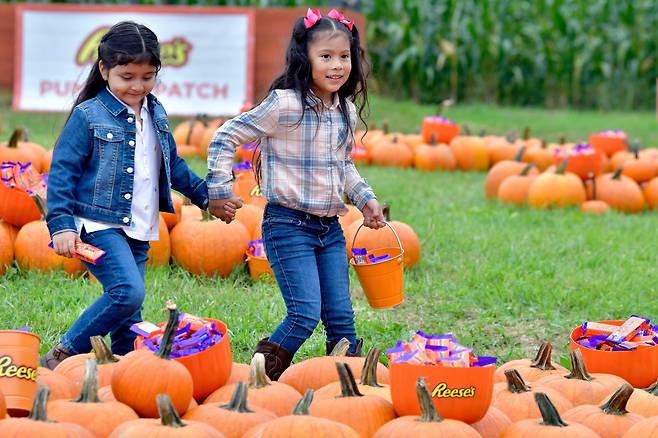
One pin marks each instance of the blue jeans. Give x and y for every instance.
(121, 273)
(308, 256)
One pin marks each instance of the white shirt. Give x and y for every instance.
(144, 207)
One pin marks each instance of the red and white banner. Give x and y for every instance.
(207, 55)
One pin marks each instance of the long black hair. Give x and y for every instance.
(297, 72)
(126, 42)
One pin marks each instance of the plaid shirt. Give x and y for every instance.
(305, 166)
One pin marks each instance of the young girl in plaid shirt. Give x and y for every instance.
(305, 127)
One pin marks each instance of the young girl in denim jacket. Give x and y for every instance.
(305, 127)
(112, 170)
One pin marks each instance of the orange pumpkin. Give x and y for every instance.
(353, 214)
(194, 246)
(550, 425)
(316, 372)
(73, 367)
(470, 152)
(594, 205)
(169, 425)
(609, 420)
(492, 424)
(234, 418)
(363, 413)
(647, 428)
(542, 156)
(535, 369)
(429, 424)
(639, 168)
(514, 189)
(620, 192)
(6, 246)
(557, 189)
(434, 156)
(650, 192)
(25, 152)
(503, 169)
(301, 425)
(368, 384)
(190, 132)
(276, 397)
(99, 417)
(141, 375)
(392, 153)
(61, 387)
(17, 207)
(172, 219)
(239, 373)
(251, 216)
(38, 425)
(514, 397)
(160, 250)
(580, 387)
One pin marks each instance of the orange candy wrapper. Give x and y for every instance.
(87, 253)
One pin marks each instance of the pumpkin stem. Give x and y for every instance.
(39, 411)
(635, 148)
(41, 205)
(89, 391)
(348, 385)
(515, 382)
(394, 140)
(593, 187)
(543, 144)
(369, 371)
(483, 132)
(526, 169)
(238, 401)
(578, 369)
(168, 415)
(467, 130)
(433, 139)
(16, 136)
(562, 167)
(526, 132)
(617, 174)
(428, 412)
(512, 136)
(562, 139)
(341, 348)
(102, 352)
(170, 331)
(302, 406)
(257, 376)
(653, 389)
(616, 405)
(519, 153)
(543, 359)
(385, 127)
(549, 414)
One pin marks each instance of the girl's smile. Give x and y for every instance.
(331, 64)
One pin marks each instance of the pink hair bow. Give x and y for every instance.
(312, 17)
(340, 17)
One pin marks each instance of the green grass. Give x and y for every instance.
(501, 279)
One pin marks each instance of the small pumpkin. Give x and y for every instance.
(429, 424)
(38, 425)
(391, 153)
(141, 375)
(492, 424)
(620, 192)
(434, 156)
(501, 170)
(550, 425)
(363, 413)
(276, 397)
(61, 387)
(169, 425)
(301, 425)
(533, 369)
(609, 420)
(650, 192)
(470, 152)
(594, 205)
(557, 189)
(639, 168)
(541, 155)
(514, 189)
(88, 410)
(73, 367)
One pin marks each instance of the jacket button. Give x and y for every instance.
(131, 143)
(127, 196)
(109, 135)
(130, 119)
(126, 220)
(129, 170)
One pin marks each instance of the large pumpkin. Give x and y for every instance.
(160, 250)
(61, 387)
(195, 244)
(392, 153)
(17, 150)
(434, 156)
(514, 189)
(503, 169)
(173, 218)
(492, 424)
(620, 192)
(73, 367)
(533, 369)
(470, 152)
(557, 189)
(17, 207)
(190, 132)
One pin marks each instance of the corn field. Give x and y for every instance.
(554, 53)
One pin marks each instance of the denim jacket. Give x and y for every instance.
(93, 163)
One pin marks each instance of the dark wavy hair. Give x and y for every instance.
(126, 42)
(297, 72)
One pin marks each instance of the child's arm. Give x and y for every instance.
(248, 127)
(69, 156)
(184, 180)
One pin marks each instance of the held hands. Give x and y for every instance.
(373, 216)
(225, 208)
(64, 243)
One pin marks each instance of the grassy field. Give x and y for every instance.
(501, 279)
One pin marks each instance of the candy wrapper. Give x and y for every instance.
(362, 257)
(23, 177)
(255, 248)
(193, 335)
(441, 119)
(86, 252)
(616, 133)
(440, 349)
(636, 332)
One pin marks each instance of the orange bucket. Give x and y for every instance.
(19, 359)
(458, 393)
(638, 367)
(259, 268)
(382, 282)
(209, 368)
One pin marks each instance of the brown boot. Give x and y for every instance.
(359, 345)
(54, 357)
(277, 358)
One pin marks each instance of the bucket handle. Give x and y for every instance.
(388, 225)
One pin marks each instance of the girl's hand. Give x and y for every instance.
(225, 208)
(373, 216)
(64, 243)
